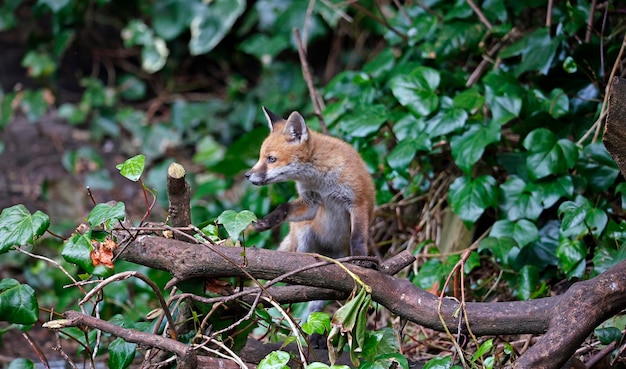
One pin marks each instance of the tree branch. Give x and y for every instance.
(183, 351)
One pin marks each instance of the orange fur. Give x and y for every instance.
(332, 214)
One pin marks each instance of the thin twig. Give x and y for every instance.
(480, 14)
(53, 263)
(125, 275)
(549, 14)
(597, 125)
(378, 19)
(37, 350)
(307, 22)
(592, 10)
(233, 356)
(306, 73)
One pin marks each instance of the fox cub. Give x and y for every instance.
(332, 214)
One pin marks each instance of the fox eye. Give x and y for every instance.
(271, 159)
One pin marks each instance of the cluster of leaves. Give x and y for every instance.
(511, 134)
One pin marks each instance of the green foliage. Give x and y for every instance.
(19, 227)
(236, 222)
(132, 168)
(21, 364)
(348, 324)
(275, 360)
(121, 353)
(18, 303)
(317, 322)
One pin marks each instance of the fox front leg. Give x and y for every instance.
(295, 211)
(271, 220)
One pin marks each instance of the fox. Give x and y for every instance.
(336, 194)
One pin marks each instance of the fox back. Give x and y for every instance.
(336, 195)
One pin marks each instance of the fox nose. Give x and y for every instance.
(248, 174)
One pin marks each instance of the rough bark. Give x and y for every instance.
(400, 296)
(179, 195)
(614, 137)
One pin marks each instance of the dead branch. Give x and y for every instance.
(306, 73)
(185, 354)
(179, 194)
(398, 295)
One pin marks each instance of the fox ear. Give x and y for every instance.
(296, 129)
(271, 118)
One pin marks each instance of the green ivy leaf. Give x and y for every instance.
(469, 147)
(608, 334)
(597, 166)
(571, 255)
(171, 17)
(569, 65)
(39, 64)
(438, 363)
(621, 189)
(275, 360)
(446, 121)
(211, 23)
(520, 201)
(537, 49)
(154, 55)
(547, 155)
(18, 303)
(317, 322)
(580, 218)
(132, 88)
(365, 120)
(470, 197)
(132, 168)
(527, 282)
(504, 108)
(503, 248)
(380, 343)
(21, 363)
(429, 274)
(137, 32)
(235, 222)
(121, 353)
(77, 250)
(401, 156)
(553, 190)
(416, 91)
(470, 100)
(558, 104)
(18, 227)
(34, 104)
(106, 213)
(522, 231)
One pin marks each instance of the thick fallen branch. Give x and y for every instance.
(400, 296)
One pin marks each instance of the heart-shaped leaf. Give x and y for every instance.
(548, 155)
(132, 168)
(469, 147)
(416, 91)
(18, 227)
(470, 197)
(235, 222)
(18, 303)
(522, 231)
(520, 200)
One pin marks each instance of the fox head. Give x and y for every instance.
(283, 152)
